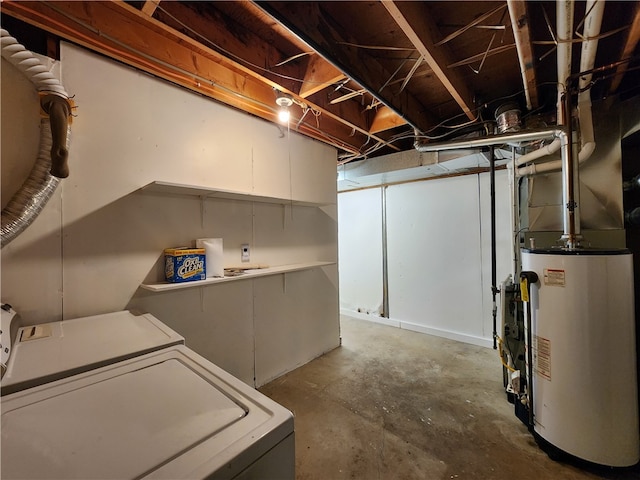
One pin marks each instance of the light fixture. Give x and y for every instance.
(284, 101)
(283, 115)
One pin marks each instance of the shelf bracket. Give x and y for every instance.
(202, 210)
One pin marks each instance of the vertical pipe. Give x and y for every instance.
(564, 16)
(592, 25)
(494, 289)
(568, 178)
(526, 279)
(515, 214)
(564, 24)
(385, 264)
(529, 326)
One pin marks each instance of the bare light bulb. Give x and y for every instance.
(283, 115)
(284, 101)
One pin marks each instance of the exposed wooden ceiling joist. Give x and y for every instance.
(629, 47)
(99, 26)
(150, 6)
(362, 74)
(385, 119)
(520, 24)
(418, 27)
(309, 21)
(125, 33)
(224, 35)
(319, 75)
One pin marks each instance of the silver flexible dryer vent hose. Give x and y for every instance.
(35, 192)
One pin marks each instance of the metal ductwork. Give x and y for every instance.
(569, 210)
(51, 163)
(507, 118)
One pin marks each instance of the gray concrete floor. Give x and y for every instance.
(394, 404)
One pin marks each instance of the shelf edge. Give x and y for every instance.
(167, 188)
(264, 272)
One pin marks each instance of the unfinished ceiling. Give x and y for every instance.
(362, 76)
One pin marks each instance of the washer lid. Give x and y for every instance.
(47, 352)
(169, 411)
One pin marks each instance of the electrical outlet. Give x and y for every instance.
(245, 252)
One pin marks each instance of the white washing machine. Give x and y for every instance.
(169, 413)
(50, 351)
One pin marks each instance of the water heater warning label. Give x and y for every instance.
(554, 277)
(542, 356)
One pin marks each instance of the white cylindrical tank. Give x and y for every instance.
(585, 396)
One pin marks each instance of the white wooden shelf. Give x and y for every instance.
(262, 272)
(198, 191)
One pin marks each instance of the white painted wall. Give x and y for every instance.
(439, 254)
(360, 252)
(99, 237)
(434, 255)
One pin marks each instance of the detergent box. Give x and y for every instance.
(183, 264)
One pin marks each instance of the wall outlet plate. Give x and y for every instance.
(244, 249)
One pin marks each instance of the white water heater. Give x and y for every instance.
(585, 395)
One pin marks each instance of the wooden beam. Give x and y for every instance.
(150, 6)
(417, 25)
(273, 25)
(319, 75)
(90, 28)
(630, 45)
(122, 32)
(309, 21)
(385, 119)
(247, 53)
(214, 30)
(520, 25)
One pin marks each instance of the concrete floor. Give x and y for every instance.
(394, 404)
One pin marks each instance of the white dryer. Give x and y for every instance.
(168, 414)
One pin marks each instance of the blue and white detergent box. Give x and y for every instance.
(184, 264)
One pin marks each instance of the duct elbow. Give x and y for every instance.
(552, 148)
(586, 152)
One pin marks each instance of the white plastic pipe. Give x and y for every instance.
(554, 166)
(564, 25)
(564, 22)
(592, 25)
(550, 149)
